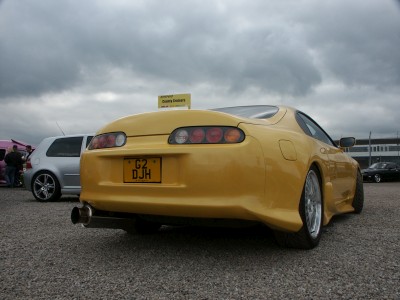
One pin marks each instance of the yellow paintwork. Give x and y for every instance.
(260, 179)
(142, 170)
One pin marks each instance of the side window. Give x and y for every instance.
(2, 154)
(313, 129)
(65, 147)
(88, 140)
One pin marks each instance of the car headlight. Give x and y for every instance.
(108, 140)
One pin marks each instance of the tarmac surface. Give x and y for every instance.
(45, 256)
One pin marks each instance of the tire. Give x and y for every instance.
(377, 178)
(358, 201)
(143, 227)
(45, 187)
(311, 212)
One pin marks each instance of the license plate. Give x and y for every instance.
(142, 170)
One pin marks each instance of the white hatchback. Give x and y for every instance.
(53, 168)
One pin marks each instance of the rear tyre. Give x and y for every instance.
(143, 227)
(377, 178)
(45, 187)
(311, 212)
(358, 201)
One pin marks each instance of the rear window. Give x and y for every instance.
(66, 147)
(252, 112)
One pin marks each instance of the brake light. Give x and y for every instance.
(214, 135)
(108, 140)
(28, 164)
(206, 135)
(197, 135)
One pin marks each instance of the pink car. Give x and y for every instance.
(4, 144)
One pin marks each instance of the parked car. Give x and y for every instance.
(4, 145)
(382, 171)
(53, 168)
(254, 164)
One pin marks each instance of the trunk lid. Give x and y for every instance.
(164, 122)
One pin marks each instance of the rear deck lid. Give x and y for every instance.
(164, 122)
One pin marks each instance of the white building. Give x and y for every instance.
(370, 151)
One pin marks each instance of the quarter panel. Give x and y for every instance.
(343, 174)
(284, 178)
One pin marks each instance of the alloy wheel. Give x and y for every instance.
(44, 187)
(377, 178)
(313, 204)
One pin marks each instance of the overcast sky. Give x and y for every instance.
(78, 65)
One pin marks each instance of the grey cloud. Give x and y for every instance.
(186, 43)
(319, 56)
(358, 42)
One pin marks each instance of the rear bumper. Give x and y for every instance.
(28, 180)
(198, 181)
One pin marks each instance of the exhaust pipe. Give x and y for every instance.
(81, 215)
(87, 217)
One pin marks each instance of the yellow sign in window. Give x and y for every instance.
(142, 170)
(178, 100)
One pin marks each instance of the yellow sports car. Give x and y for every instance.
(228, 166)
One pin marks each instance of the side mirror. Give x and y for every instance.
(347, 142)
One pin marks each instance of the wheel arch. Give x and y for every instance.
(310, 212)
(47, 170)
(55, 193)
(326, 190)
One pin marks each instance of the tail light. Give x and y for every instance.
(28, 164)
(197, 135)
(108, 140)
(214, 135)
(232, 135)
(206, 135)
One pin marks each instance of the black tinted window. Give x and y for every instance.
(311, 128)
(65, 147)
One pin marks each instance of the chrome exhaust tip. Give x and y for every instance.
(90, 218)
(81, 215)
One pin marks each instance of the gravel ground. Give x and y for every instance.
(44, 256)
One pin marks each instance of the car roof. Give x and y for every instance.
(69, 135)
